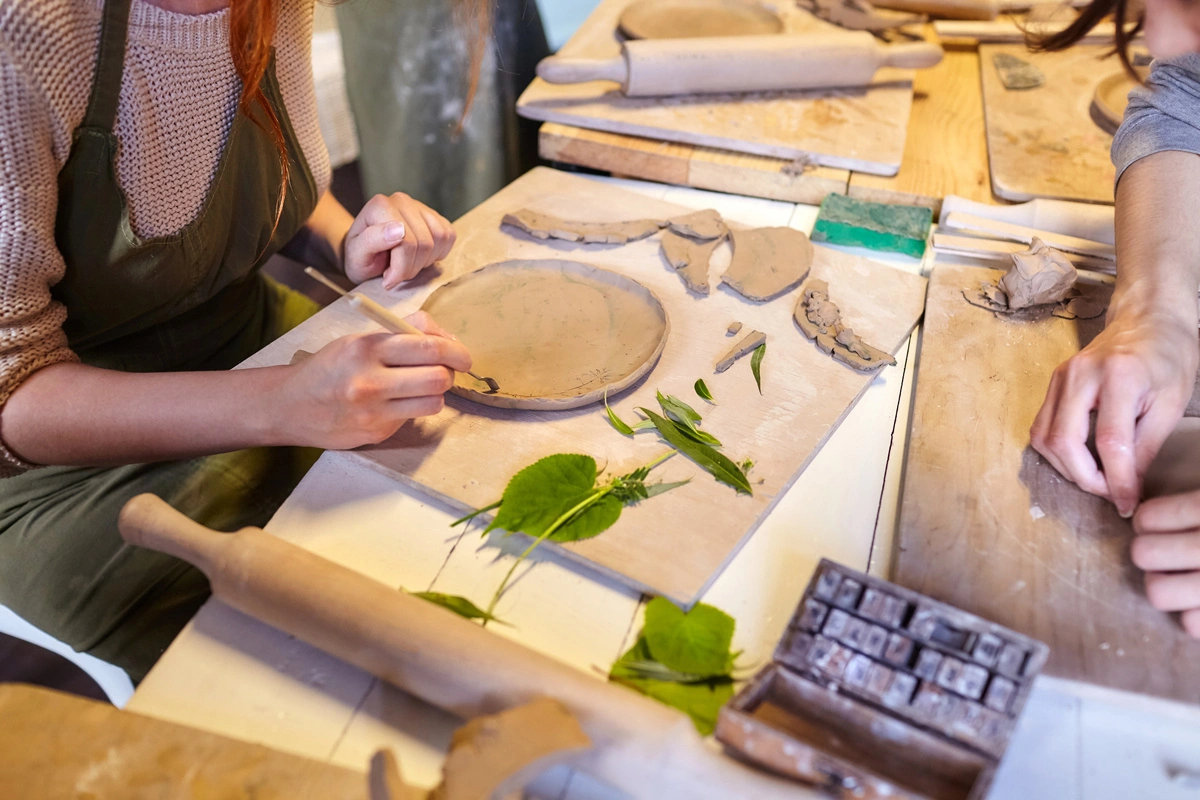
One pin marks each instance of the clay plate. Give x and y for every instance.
(1110, 99)
(689, 19)
(554, 334)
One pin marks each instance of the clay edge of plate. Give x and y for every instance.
(632, 17)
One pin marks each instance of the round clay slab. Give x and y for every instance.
(554, 334)
(1110, 99)
(691, 19)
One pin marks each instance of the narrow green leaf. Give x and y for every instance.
(700, 700)
(459, 605)
(756, 364)
(686, 417)
(717, 465)
(702, 390)
(696, 642)
(616, 421)
(656, 489)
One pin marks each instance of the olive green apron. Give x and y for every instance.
(192, 301)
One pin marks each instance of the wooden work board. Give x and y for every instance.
(944, 153)
(850, 129)
(55, 746)
(674, 544)
(1042, 142)
(987, 525)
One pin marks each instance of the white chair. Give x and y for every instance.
(112, 679)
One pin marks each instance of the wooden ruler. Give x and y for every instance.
(986, 524)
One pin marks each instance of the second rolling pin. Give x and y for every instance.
(656, 67)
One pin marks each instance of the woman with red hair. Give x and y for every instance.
(154, 154)
(1138, 374)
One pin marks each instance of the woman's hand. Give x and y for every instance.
(1137, 375)
(396, 237)
(1167, 547)
(360, 389)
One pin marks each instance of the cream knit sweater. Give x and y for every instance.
(179, 97)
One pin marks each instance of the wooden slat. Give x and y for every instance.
(986, 524)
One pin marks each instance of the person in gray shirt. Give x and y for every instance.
(1138, 374)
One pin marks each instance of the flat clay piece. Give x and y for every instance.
(768, 262)
(497, 755)
(749, 343)
(554, 334)
(1080, 308)
(703, 225)
(1015, 74)
(1111, 98)
(821, 320)
(690, 19)
(733, 328)
(1038, 276)
(545, 226)
(859, 15)
(689, 258)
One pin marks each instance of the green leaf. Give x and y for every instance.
(686, 418)
(616, 421)
(655, 489)
(701, 700)
(756, 364)
(540, 494)
(696, 643)
(702, 390)
(709, 459)
(459, 605)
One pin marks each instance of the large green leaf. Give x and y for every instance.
(717, 465)
(544, 491)
(700, 700)
(696, 643)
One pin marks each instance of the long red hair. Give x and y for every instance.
(251, 33)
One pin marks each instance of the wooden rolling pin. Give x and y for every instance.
(640, 746)
(947, 9)
(653, 67)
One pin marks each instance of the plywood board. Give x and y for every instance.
(1042, 142)
(860, 129)
(988, 525)
(56, 745)
(677, 543)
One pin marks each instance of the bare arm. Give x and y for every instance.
(1138, 374)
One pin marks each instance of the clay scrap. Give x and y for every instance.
(734, 327)
(702, 225)
(768, 262)
(1015, 74)
(689, 258)
(749, 343)
(546, 226)
(821, 320)
(1039, 276)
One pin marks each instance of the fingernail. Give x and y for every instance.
(394, 232)
(1125, 512)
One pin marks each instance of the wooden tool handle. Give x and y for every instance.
(949, 9)
(377, 313)
(915, 55)
(641, 746)
(560, 69)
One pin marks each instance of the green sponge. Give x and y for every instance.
(879, 226)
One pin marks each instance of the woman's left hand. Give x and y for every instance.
(1167, 547)
(395, 236)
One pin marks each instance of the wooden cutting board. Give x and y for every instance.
(674, 544)
(1042, 142)
(57, 746)
(855, 129)
(988, 525)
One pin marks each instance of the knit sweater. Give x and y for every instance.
(179, 97)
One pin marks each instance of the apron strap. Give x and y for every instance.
(110, 66)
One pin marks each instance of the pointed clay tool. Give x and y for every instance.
(377, 313)
(689, 258)
(546, 226)
(749, 343)
(768, 262)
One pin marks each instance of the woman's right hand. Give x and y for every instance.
(361, 388)
(1137, 375)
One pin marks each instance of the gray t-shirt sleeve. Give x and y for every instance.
(1163, 115)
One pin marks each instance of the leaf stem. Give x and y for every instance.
(475, 514)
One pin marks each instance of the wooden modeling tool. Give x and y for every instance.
(656, 67)
(377, 313)
(638, 745)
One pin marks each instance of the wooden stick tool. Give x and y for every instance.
(389, 320)
(638, 745)
(655, 67)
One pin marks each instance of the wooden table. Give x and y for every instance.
(230, 674)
